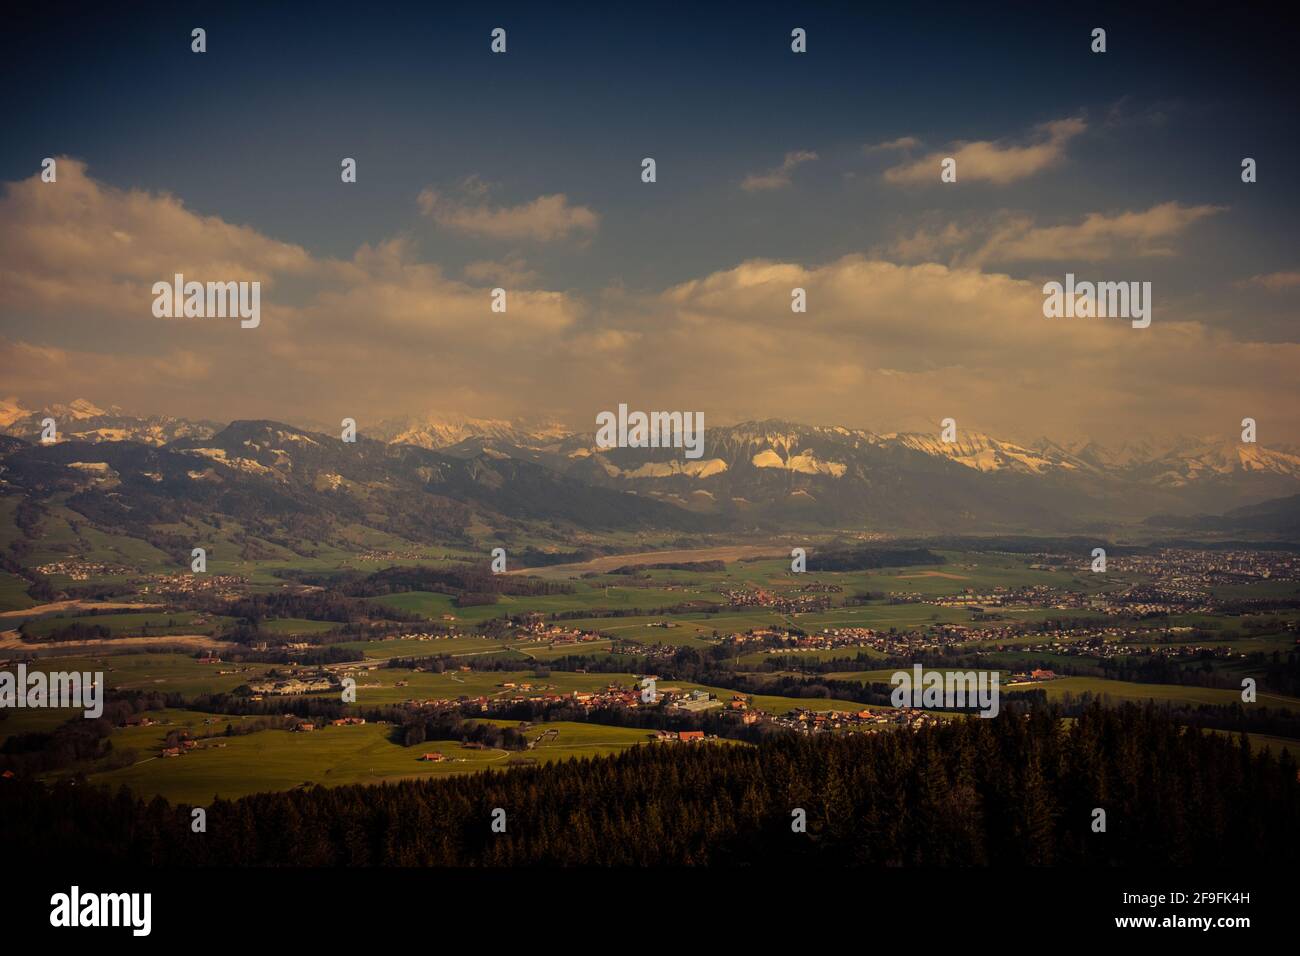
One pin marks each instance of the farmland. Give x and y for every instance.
(237, 765)
(767, 642)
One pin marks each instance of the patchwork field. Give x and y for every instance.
(278, 759)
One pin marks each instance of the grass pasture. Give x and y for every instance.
(330, 756)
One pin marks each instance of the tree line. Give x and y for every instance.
(971, 792)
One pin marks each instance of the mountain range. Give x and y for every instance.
(430, 478)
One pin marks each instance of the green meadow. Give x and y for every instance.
(330, 756)
(165, 673)
(1173, 693)
(40, 720)
(292, 626)
(13, 593)
(461, 644)
(151, 623)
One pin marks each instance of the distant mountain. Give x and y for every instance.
(288, 485)
(11, 411)
(80, 420)
(754, 475)
(433, 432)
(783, 473)
(776, 473)
(985, 453)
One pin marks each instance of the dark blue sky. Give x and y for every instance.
(253, 130)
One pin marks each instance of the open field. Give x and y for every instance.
(1172, 693)
(126, 625)
(330, 756)
(166, 673)
(12, 640)
(610, 562)
(31, 611)
(617, 596)
(29, 720)
(13, 593)
(883, 676)
(293, 626)
(275, 760)
(412, 647)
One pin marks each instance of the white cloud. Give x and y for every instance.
(883, 344)
(1144, 233)
(1008, 237)
(544, 219)
(988, 161)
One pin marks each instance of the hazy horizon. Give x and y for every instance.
(924, 299)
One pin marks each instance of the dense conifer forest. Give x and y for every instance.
(1006, 792)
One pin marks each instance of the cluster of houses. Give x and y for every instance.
(612, 696)
(83, 570)
(186, 744)
(694, 701)
(1202, 569)
(1129, 647)
(868, 720)
(777, 641)
(221, 585)
(1039, 596)
(535, 626)
(808, 598)
(423, 635)
(307, 726)
(291, 686)
(1037, 675)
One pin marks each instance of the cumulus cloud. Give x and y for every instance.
(779, 177)
(470, 211)
(1008, 237)
(77, 244)
(79, 260)
(884, 344)
(898, 346)
(994, 162)
(930, 242)
(1099, 236)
